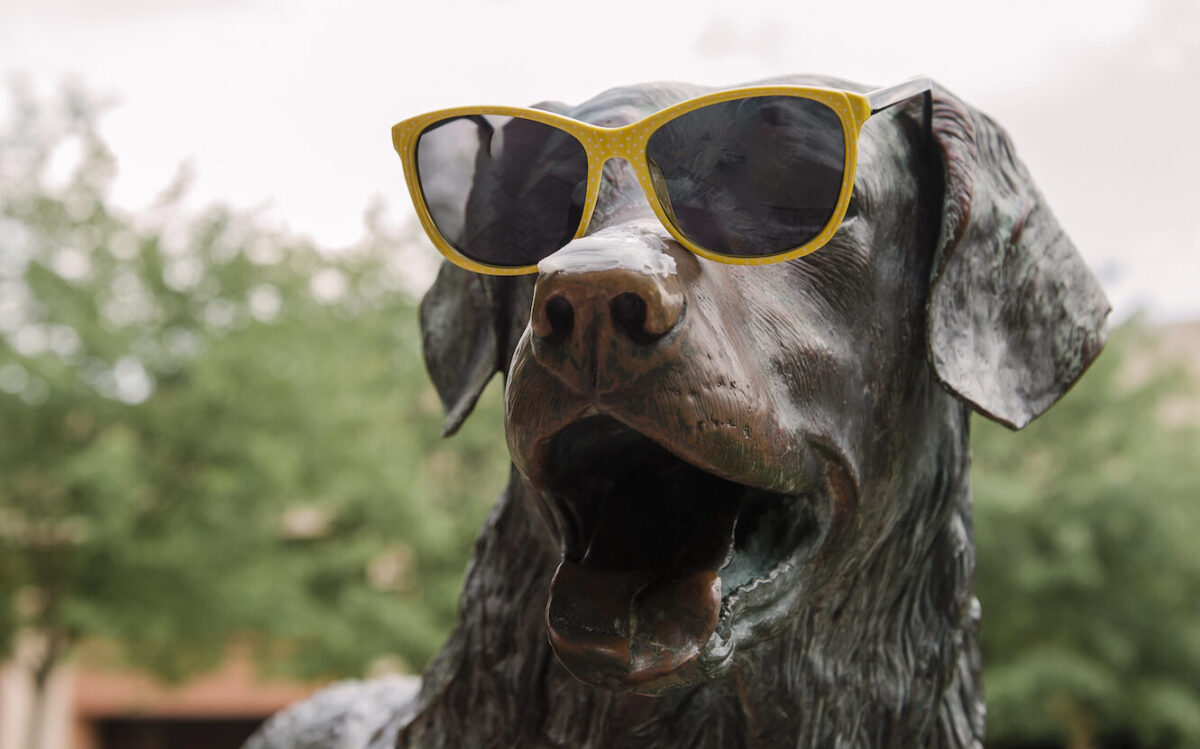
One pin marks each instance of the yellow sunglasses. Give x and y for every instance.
(751, 175)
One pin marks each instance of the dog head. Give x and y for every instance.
(718, 447)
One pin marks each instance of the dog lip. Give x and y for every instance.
(536, 464)
(746, 613)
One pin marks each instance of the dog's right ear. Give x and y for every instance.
(1014, 315)
(459, 339)
(470, 325)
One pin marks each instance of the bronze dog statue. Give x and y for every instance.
(740, 514)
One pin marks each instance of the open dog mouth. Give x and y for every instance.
(656, 553)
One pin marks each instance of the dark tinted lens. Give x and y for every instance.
(504, 191)
(751, 177)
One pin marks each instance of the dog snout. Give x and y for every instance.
(600, 306)
(640, 308)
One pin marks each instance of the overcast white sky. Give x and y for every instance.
(287, 104)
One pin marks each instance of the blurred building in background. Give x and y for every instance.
(90, 708)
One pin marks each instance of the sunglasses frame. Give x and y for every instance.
(629, 142)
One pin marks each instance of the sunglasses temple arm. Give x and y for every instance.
(921, 85)
(883, 98)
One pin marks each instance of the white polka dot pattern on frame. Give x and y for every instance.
(628, 142)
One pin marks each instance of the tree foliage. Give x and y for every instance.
(1088, 530)
(209, 427)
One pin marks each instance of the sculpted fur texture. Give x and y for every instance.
(739, 512)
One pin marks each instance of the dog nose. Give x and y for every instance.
(601, 304)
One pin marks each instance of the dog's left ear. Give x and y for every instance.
(1014, 316)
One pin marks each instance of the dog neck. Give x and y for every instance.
(889, 659)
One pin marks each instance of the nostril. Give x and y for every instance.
(629, 315)
(561, 316)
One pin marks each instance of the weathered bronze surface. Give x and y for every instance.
(739, 513)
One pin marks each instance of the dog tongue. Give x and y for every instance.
(646, 596)
(609, 631)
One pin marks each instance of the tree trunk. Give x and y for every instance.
(1081, 728)
(42, 668)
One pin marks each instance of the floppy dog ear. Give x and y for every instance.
(459, 339)
(470, 325)
(1014, 316)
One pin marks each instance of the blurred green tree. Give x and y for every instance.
(209, 427)
(1088, 532)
